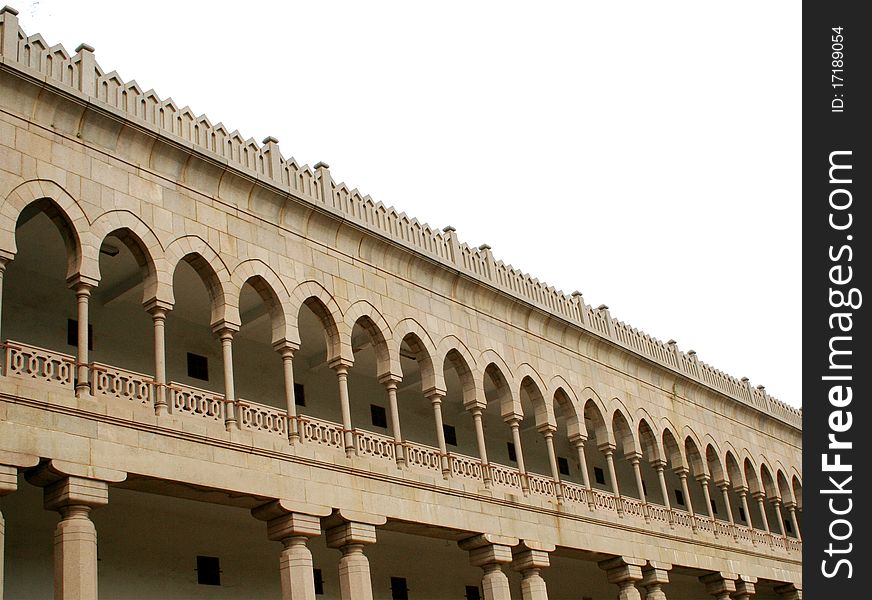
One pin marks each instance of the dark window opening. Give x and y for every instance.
(562, 466)
(299, 394)
(450, 434)
(399, 591)
(378, 415)
(714, 507)
(198, 367)
(319, 582)
(599, 476)
(742, 514)
(473, 593)
(787, 526)
(679, 497)
(511, 449)
(73, 334)
(208, 570)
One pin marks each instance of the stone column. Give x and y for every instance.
(745, 587)
(482, 447)
(760, 497)
(490, 552)
(742, 492)
(725, 492)
(790, 505)
(391, 382)
(624, 571)
(655, 575)
(776, 503)
(435, 398)
(635, 459)
(659, 466)
(515, 424)
(720, 585)
(355, 582)
(286, 350)
(158, 312)
(585, 477)
(548, 434)
(225, 333)
(529, 559)
(789, 591)
(703, 480)
(341, 367)
(293, 530)
(83, 293)
(75, 539)
(608, 450)
(682, 472)
(3, 262)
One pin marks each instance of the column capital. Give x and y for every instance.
(655, 573)
(286, 519)
(286, 347)
(434, 395)
(722, 484)
(157, 308)
(741, 490)
(340, 365)
(622, 569)
(82, 284)
(681, 471)
(745, 586)
(524, 559)
(775, 501)
(790, 504)
(633, 457)
(224, 329)
(658, 464)
(719, 584)
(390, 380)
(607, 448)
(703, 478)
(10, 462)
(76, 491)
(758, 496)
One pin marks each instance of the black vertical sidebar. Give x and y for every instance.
(837, 301)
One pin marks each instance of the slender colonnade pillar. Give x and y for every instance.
(608, 449)
(435, 398)
(682, 472)
(341, 367)
(482, 447)
(158, 312)
(490, 552)
(515, 424)
(391, 382)
(286, 350)
(659, 466)
(635, 458)
(225, 333)
(548, 434)
(790, 505)
(582, 465)
(83, 293)
(760, 498)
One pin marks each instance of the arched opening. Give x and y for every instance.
(734, 473)
(500, 447)
(532, 442)
(370, 402)
(460, 435)
(568, 464)
(796, 484)
(316, 392)
(625, 449)
(786, 493)
(694, 462)
(650, 454)
(38, 306)
(771, 491)
(258, 368)
(416, 412)
(674, 463)
(754, 490)
(717, 485)
(597, 439)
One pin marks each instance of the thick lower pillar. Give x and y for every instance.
(355, 582)
(720, 585)
(789, 591)
(391, 382)
(490, 552)
(745, 587)
(529, 559)
(624, 571)
(341, 368)
(75, 539)
(654, 576)
(293, 530)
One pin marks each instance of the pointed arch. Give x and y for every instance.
(416, 337)
(713, 463)
(272, 292)
(672, 449)
(497, 372)
(751, 477)
(66, 212)
(735, 474)
(796, 484)
(387, 355)
(532, 383)
(212, 270)
(453, 351)
(693, 454)
(148, 251)
(767, 481)
(564, 397)
(595, 421)
(648, 440)
(623, 432)
(313, 295)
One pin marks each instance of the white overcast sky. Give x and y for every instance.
(647, 154)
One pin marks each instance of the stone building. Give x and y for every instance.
(225, 375)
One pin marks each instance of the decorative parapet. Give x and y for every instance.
(80, 72)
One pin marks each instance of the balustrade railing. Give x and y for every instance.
(423, 457)
(39, 364)
(322, 433)
(374, 444)
(259, 417)
(122, 384)
(30, 362)
(465, 466)
(187, 400)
